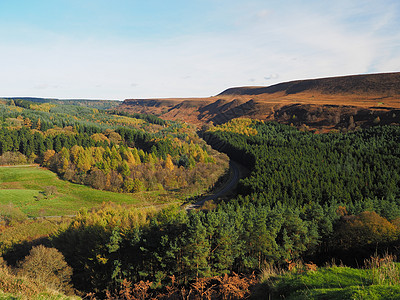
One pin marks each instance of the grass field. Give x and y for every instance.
(24, 186)
(335, 283)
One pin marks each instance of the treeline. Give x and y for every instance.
(30, 142)
(28, 102)
(57, 115)
(113, 244)
(106, 247)
(123, 169)
(50, 116)
(149, 118)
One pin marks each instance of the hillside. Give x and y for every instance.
(326, 103)
(96, 156)
(379, 84)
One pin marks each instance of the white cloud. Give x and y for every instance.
(271, 76)
(286, 43)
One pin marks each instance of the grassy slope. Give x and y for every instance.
(330, 283)
(22, 185)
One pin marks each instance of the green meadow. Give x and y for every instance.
(380, 282)
(25, 187)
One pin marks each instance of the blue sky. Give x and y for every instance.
(122, 49)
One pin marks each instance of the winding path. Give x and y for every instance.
(235, 175)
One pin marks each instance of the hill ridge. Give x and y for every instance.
(322, 103)
(377, 82)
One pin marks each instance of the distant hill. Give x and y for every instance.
(343, 103)
(378, 84)
(99, 104)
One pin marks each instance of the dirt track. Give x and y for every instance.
(236, 174)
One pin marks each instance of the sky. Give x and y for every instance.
(120, 49)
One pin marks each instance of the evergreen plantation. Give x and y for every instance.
(315, 197)
(344, 187)
(298, 168)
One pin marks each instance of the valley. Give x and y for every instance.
(293, 191)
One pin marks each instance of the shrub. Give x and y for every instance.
(50, 190)
(39, 197)
(366, 228)
(13, 158)
(47, 265)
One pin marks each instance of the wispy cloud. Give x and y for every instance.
(256, 43)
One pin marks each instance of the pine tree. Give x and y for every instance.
(197, 248)
(125, 171)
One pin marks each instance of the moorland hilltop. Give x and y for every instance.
(324, 104)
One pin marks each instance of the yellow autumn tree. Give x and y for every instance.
(99, 137)
(168, 163)
(27, 123)
(130, 158)
(38, 124)
(47, 156)
(75, 152)
(85, 159)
